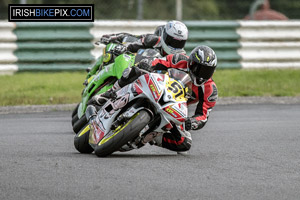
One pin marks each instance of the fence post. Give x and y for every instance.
(140, 10)
(179, 10)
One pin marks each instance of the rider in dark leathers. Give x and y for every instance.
(167, 39)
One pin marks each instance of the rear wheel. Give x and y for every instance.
(81, 140)
(122, 135)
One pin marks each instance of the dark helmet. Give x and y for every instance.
(202, 64)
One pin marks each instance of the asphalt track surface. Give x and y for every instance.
(243, 152)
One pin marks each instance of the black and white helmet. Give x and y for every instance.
(202, 64)
(173, 37)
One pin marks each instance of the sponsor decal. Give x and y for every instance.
(98, 133)
(137, 89)
(154, 91)
(139, 82)
(154, 88)
(177, 114)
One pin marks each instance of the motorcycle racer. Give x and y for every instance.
(167, 39)
(200, 65)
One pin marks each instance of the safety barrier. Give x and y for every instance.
(219, 35)
(269, 44)
(70, 46)
(53, 46)
(7, 47)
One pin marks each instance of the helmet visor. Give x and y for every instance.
(200, 73)
(170, 41)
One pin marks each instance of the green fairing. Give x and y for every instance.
(95, 68)
(99, 61)
(112, 70)
(121, 63)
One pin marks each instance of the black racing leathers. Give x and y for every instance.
(143, 42)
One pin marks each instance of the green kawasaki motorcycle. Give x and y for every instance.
(111, 66)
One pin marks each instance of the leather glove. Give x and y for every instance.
(190, 124)
(85, 83)
(106, 39)
(120, 49)
(143, 64)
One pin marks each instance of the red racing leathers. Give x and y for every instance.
(206, 95)
(178, 139)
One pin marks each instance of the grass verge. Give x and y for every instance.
(40, 88)
(258, 82)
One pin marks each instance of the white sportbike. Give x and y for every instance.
(154, 102)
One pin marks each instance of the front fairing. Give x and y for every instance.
(167, 94)
(97, 132)
(171, 106)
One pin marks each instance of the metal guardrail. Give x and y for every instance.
(7, 47)
(53, 46)
(269, 44)
(219, 35)
(69, 46)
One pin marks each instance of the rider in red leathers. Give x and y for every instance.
(200, 65)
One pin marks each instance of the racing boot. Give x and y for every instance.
(157, 140)
(152, 138)
(149, 137)
(126, 147)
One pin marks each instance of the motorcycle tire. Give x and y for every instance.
(75, 111)
(79, 124)
(126, 133)
(81, 141)
(74, 119)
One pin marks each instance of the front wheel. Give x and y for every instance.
(81, 140)
(74, 119)
(79, 124)
(122, 135)
(75, 110)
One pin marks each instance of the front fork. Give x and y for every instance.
(90, 113)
